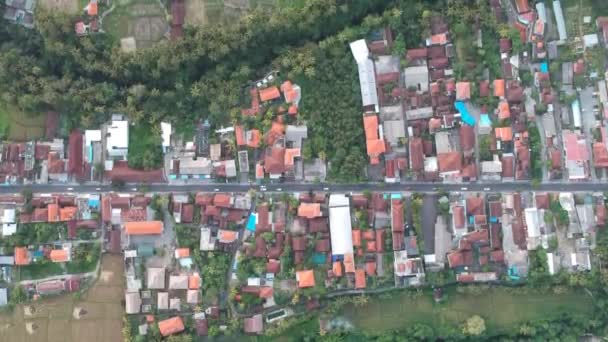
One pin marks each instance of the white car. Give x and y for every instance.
(70, 189)
(279, 189)
(464, 189)
(325, 189)
(216, 190)
(486, 189)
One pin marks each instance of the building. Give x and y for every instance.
(559, 19)
(577, 155)
(340, 228)
(367, 75)
(117, 139)
(20, 12)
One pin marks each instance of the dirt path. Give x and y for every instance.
(54, 317)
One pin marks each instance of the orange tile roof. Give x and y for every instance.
(286, 86)
(375, 145)
(439, 39)
(227, 236)
(240, 135)
(370, 123)
(171, 326)
(309, 210)
(375, 148)
(253, 138)
(293, 110)
(360, 281)
(504, 112)
(266, 292)
(269, 93)
(259, 171)
(194, 281)
(53, 212)
(92, 9)
(370, 268)
(499, 88)
(182, 252)
(144, 228)
(504, 133)
(22, 256)
(349, 263)
(305, 278)
(356, 238)
(337, 268)
(67, 213)
(290, 155)
(59, 255)
(463, 90)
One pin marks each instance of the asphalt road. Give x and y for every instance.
(291, 187)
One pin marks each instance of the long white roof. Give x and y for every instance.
(367, 74)
(339, 225)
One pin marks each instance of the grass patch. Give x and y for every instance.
(503, 309)
(40, 270)
(86, 257)
(20, 126)
(145, 150)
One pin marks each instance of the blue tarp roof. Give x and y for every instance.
(94, 202)
(464, 112)
(485, 120)
(185, 262)
(318, 258)
(544, 67)
(251, 222)
(395, 196)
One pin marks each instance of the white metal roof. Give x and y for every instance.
(340, 225)
(118, 135)
(165, 128)
(367, 75)
(559, 19)
(91, 135)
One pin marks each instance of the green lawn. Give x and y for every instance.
(145, 150)
(86, 257)
(17, 125)
(502, 308)
(40, 270)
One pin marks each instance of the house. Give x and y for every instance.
(269, 93)
(117, 139)
(417, 78)
(367, 75)
(463, 91)
(156, 278)
(171, 326)
(577, 155)
(394, 131)
(132, 303)
(305, 279)
(375, 143)
(20, 12)
(491, 170)
(254, 324)
(450, 164)
(602, 25)
(144, 228)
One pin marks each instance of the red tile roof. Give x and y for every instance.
(449, 161)
(458, 217)
(416, 154)
(360, 281)
(467, 137)
(397, 216)
(144, 228)
(22, 256)
(75, 154)
(122, 172)
(269, 93)
(171, 326)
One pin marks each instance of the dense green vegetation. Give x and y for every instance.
(85, 258)
(35, 233)
(145, 150)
